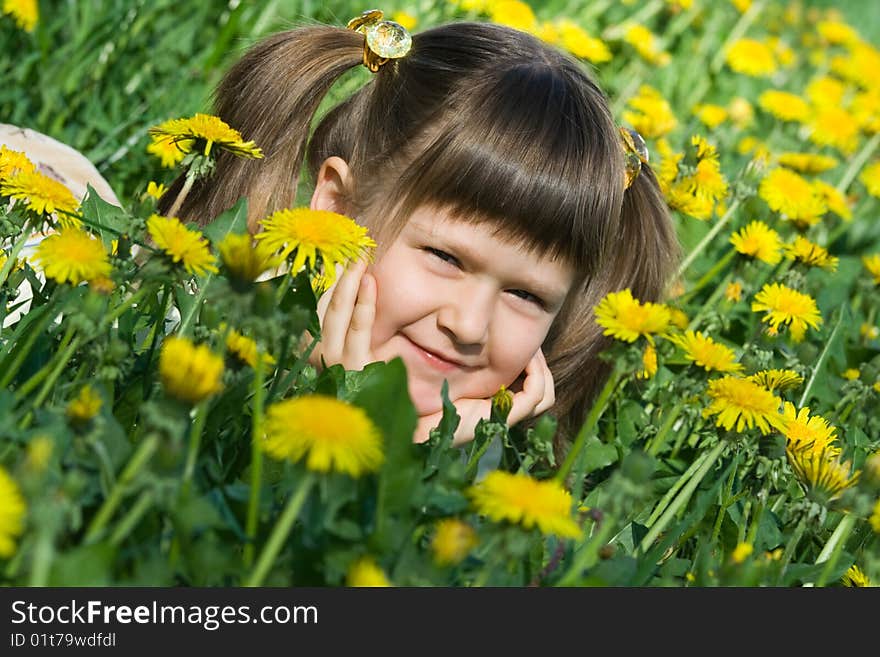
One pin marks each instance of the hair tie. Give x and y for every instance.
(635, 152)
(383, 40)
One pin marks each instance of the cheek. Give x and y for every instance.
(401, 298)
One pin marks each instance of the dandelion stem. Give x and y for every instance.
(660, 438)
(12, 258)
(130, 520)
(193, 310)
(589, 425)
(791, 546)
(182, 194)
(699, 248)
(43, 372)
(56, 372)
(133, 467)
(280, 531)
(821, 362)
(831, 551)
(683, 497)
(119, 310)
(41, 318)
(726, 501)
(682, 480)
(710, 275)
(587, 556)
(195, 440)
(44, 551)
(857, 163)
(252, 520)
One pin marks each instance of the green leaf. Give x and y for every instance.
(597, 454)
(109, 220)
(231, 222)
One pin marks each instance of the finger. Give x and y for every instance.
(532, 394)
(360, 331)
(549, 398)
(337, 319)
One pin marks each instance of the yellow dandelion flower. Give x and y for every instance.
(710, 115)
(836, 127)
(784, 105)
(183, 245)
(872, 264)
(801, 428)
(85, 405)
(39, 452)
(860, 65)
(405, 19)
(520, 499)
(825, 91)
(25, 13)
(784, 53)
(740, 403)
(329, 433)
(547, 31)
(753, 145)
(876, 386)
(42, 194)
(834, 199)
(751, 57)
(702, 350)
(733, 291)
(759, 241)
(72, 256)
(245, 260)
(742, 6)
(870, 177)
(316, 234)
(741, 552)
(169, 152)
(649, 114)
(646, 44)
(13, 162)
(573, 38)
(822, 475)
(851, 374)
(245, 349)
(809, 253)
(865, 107)
(625, 318)
(868, 331)
(837, 32)
(875, 517)
(741, 112)
(453, 540)
(792, 196)
(365, 572)
(807, 162)
(512, 13)
(201, 132)
(155, 190)
(189, 372)
(774, 379)
(785, 306)
(649, 362)
(679, 318)
(12, 514)
(855, 577)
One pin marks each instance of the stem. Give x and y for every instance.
(280, 531)
(683, 497)
(821, 362)
(184, 192)
(43, 372)
(707, 239)
(252, 521)
(44, 551)
(117, 312)
(660, 438)
(791, 546)
(682, 480)
(133, 467)
(725, 504)
(56, 372)
(12, 258)
(588, 554)
(858, 162)
(130, 520)
(185, 322)
(592, 419)
(195, 440)
(23, 349)
(710, 275)
(831, 552)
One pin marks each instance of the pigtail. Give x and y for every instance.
(270, 96)
(642, 255)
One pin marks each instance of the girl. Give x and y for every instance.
(503, 198)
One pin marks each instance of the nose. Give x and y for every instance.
(467, 314)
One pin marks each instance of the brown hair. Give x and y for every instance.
(481, 119)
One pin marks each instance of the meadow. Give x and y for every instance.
(734, 444)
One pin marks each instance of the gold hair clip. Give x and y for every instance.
(383, 40)
(635, 152)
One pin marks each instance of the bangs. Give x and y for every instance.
(521, 151)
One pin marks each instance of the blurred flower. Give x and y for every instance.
(807, 162)
(202, 132)
(733, 291)
(649, 362)
(366, 572)
(868, 331)
(626, 318)
(678, 318)
(12, 514)
(244, 260)
(851, 374)
(41, 194)
(453, 540)
(405, 19)
(155, 190)
(521, 499)
(837, 32)
(646, 44)
(12, 162)
(705, 352)
(312, 234)
(742, 6)
(185, 246)
(774, 379)
(72, 256)
(245, 349)
(39, 452)
(875, 517)
(710, 115)
(512, 13)
(573, 38)
(784, 105)
(809, 253)
(24, 12)
(833, 198)
(743, 403)
(792, 196)
(825, 91)
(860, 65)
(819, 471)
(751, 57)
(785, 306)
(189, 372)
(649, 114)
(872, 264)
(329, 433)
(803, 429)
(836, 127)
(855, 577)
(870, 177)
(85, 405)
(741, 552)
(865, 107)
(741, 112)
(759, 241)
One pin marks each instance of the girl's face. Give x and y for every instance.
(456, 302)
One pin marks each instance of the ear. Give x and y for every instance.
(333, 186)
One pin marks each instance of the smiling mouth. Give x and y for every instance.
(435, 360)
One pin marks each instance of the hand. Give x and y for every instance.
(535, 395)
(346, 312)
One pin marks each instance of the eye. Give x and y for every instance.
(442, 255)
(528, 296)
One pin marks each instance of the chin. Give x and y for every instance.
(426, 399)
